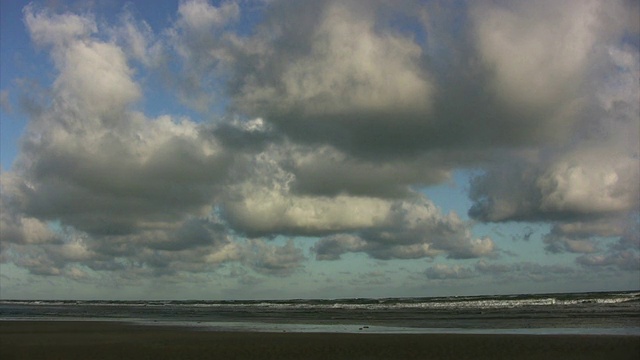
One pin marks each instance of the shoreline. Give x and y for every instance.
(337, 328)
(118, 340)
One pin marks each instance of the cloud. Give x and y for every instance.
(91, 162)
(273, 260)
(23, 230)
(197, 246)
(14, 226)
(327, 171)
(337, 115)
(534, 67)
(138, 41)
(5, 102)
(200, 17)
(197, 39)
(57, 30)
(580, 237)
(557, 244)
(264, 199)
(410, 230)
(338, 60)
(570, 188)
(625, 260)
(524, 271)
(443, 272)
(260, 202)
(331, 248)
(337, 90)
(591, 187)
(623, 253)
(587, 187)
(339, 70)
(129, 192)
(593, 175)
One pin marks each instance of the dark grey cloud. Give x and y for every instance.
(624, 260)
(250, 137)
(332, 248)
(581, 237)
(558, 244)
(272, 260)
(621, 252)
(326, 171)
(526, 234)
(390, 97)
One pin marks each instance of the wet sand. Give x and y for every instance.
(114, 340)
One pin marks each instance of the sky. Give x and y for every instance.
(263, 149)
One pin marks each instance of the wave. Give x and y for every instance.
(386, 304)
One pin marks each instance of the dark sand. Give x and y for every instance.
(101, 340)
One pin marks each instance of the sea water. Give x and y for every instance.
(568, 313)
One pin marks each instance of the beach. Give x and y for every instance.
(118, 340)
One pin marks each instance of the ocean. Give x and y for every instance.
(601, 313)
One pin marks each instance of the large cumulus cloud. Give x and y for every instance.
(92, 161)
(100, 184)
(588, 186)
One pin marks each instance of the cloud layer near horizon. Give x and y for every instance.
(336, 118)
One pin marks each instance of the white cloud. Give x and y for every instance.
(95, 79)
(199, 16)
(590, 186)
(57, 29)
(262, 203)
(138, 40)
(410, 230)
(538, 52)
(350, 68)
